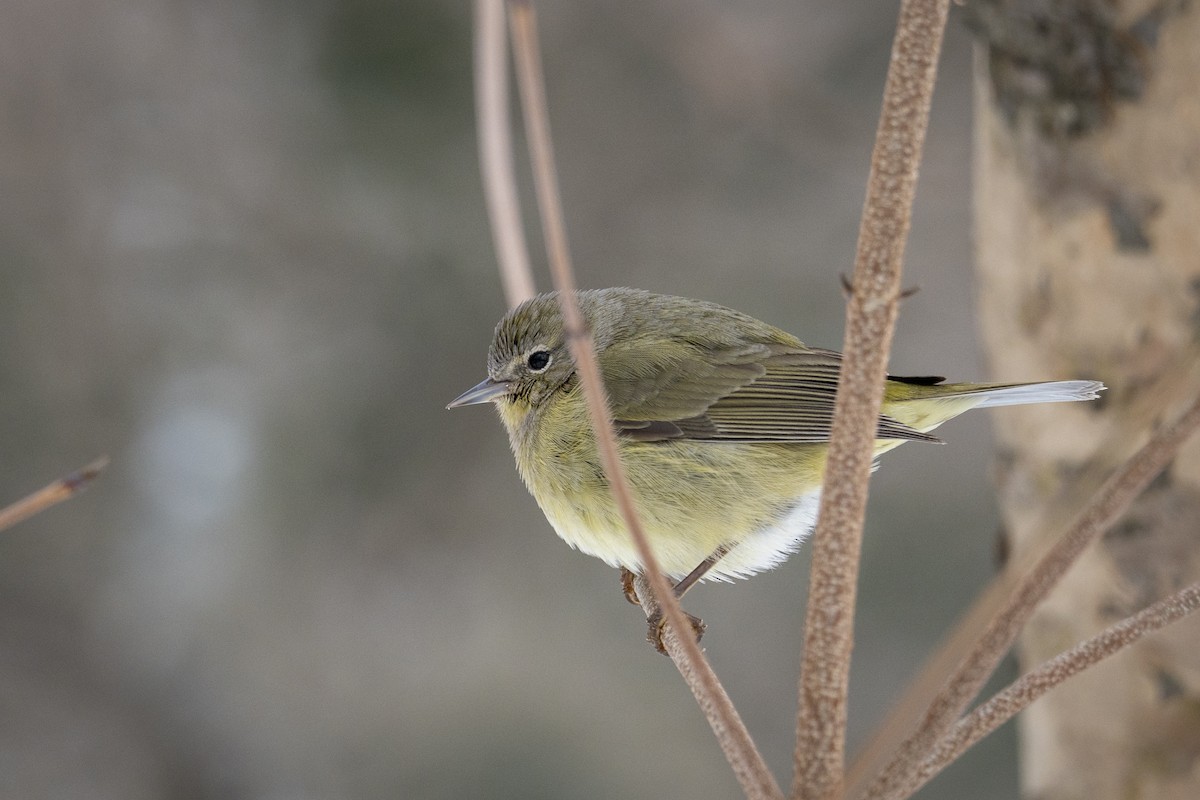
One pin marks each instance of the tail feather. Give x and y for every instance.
(1018, 394)
(923, 407)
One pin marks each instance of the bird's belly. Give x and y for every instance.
(740, 495)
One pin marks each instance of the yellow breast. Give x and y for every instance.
(692, 496)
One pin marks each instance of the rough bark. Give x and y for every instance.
(1088, 235)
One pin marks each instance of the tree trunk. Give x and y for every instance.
(1088, 250)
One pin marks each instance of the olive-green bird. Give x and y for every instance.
(723, 426)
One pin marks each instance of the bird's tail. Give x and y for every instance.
(924, 405)
(993, 395)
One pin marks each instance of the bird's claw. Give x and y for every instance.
(627, 586)
(657, 626)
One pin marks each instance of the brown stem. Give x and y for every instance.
(62, 489)
(495, 152)
(871, 315)
(727, 725)
(1029, 687)
(748, 765)
(997, 637)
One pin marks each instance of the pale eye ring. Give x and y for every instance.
(538, 360)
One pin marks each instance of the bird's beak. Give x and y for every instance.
(483, 392)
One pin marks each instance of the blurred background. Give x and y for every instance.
(244, 253)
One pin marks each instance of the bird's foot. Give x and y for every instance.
(627, 579)
(658, 626)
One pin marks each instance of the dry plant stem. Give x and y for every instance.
(1105, 508)
(1029, 687)
(495, 152)
(871, 316)
(748, 765)
(713, 701)
(905, 714)
(62, 489)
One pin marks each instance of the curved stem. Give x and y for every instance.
(495, 152)
(748, 764)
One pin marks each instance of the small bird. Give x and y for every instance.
(723, 425)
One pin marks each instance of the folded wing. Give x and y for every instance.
(752, 392)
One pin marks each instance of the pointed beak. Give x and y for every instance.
(483, 392)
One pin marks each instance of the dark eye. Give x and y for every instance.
(538, 360)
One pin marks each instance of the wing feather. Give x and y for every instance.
(754, 392)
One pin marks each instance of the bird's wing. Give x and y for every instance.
(752, 392)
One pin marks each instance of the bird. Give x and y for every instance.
(722, 423)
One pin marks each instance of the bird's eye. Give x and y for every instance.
(538, 360)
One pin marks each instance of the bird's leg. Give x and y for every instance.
(681, 588)
(656, 622)
(701, 570)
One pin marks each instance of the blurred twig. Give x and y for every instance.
(871, 315)
(495, 152)
(1112, 499)
(62, 489)
(1035, 683)
(748, 765)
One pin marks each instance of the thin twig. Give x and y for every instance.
(726, 723)
(62, 489)
(748, 765)
(871, 316)
(495, 152)
(1105, 507)
(1145, 412)
(1029, 687)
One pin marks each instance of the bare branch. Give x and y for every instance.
(1105, 507)
(495, 152)
(903, 717)
(727, 725)
(62, 489)
(748, 765)
(871, 316)
(1029, 687)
